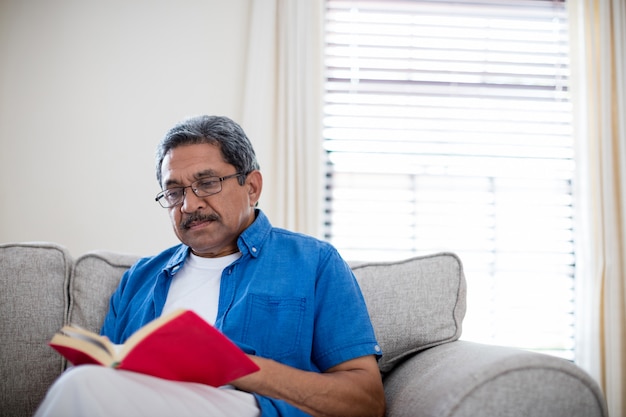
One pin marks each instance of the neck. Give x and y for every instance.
(226, 252)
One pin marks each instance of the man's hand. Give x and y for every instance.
(352, 388)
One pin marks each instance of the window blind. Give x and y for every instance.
(447, 127)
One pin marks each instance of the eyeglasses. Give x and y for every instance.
(201, 188)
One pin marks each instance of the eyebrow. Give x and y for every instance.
(196, 176)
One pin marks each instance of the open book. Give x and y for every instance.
(180, 346)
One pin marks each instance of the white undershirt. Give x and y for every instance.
(197, 285)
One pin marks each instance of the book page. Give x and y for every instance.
(81, 350)
(101, 342)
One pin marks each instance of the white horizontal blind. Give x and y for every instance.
(448, 127)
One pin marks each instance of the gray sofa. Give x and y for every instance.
(417, 307)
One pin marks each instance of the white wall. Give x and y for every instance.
(87, 89)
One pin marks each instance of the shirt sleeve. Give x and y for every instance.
(343, 329)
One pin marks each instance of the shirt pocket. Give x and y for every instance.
(273, 325)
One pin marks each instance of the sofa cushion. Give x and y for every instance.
(94, 278)
(414, 304)
(33, 305)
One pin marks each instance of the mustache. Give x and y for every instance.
(197, 217)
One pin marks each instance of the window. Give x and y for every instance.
(447, 127)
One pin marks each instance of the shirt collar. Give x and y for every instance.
(252, 239)
(176, 261)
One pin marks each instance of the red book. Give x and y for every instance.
(180, 346)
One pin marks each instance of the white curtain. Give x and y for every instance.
(599, 94)
(282, 108)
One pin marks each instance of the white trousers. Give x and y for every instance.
(94, 391)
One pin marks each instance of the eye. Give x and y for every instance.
(173, 194)
(208, 184)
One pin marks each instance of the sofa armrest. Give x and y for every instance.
(471, 379)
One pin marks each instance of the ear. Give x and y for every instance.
(254, 182)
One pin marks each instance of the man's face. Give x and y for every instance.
(209, 225)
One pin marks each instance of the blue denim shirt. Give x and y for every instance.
(289, 297)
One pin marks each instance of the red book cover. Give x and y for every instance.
(180, 346)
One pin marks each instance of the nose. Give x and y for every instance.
(191, 202)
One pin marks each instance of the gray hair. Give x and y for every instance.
(227, 135)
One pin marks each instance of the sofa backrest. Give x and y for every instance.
(33, 306)
(414, 304)
(94, 278)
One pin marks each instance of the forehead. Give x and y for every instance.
(188, 162)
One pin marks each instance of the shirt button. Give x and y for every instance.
(377, 348)
(254, 250)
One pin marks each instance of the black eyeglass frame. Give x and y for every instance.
(162, 199)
